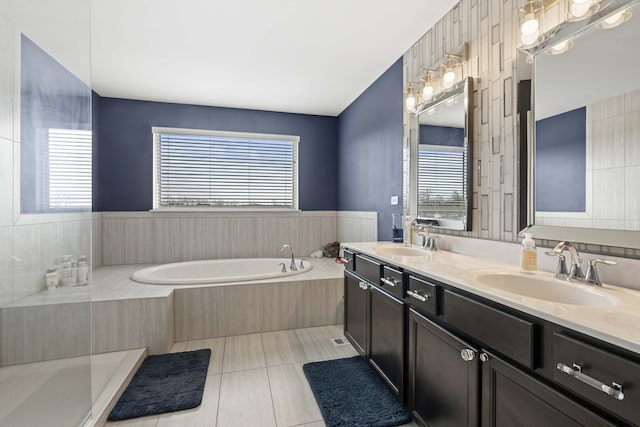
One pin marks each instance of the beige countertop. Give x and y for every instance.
(618, 325)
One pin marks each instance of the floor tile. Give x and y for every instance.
(245, 400)
(318, 346)
(293, 400)
(204, 415)
(216, 345)
(243, 352)
(282, 347)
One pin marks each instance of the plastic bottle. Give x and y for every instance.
(528, 255)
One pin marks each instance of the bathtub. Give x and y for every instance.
(217, 271)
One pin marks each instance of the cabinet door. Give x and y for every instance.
(386, 339)
(512, 398)
(443, 385)
(356, 301)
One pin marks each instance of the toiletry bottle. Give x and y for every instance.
(408, 231)
(528, 255)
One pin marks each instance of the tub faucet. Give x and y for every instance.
(292, 267)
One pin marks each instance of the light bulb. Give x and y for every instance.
(579, 9)
(615, 20)
(448, 78)
(529, 39)
(410, 101)
(530, 25)
(561, 47)
(427, 91)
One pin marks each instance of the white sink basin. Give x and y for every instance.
(547, 289)
(400, 251)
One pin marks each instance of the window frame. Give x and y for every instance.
(294, 139)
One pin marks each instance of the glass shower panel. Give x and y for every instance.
(45, 213)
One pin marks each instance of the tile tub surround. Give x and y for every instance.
(616, 325)
(128, 315)
(161, 236)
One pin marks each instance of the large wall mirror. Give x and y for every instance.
(586, 155)
(441, 182)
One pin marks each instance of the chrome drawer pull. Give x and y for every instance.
(614, 390)
(389, 281)
(416, 295)
(467, 354)
(363, 286)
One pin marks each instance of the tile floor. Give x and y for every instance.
(257, 380)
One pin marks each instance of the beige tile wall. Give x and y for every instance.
(158, 237)
(489, 27)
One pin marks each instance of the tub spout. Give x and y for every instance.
(292, 267)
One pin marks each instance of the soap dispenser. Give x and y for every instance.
(528, 255)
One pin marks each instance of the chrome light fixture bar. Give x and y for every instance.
(568, 30)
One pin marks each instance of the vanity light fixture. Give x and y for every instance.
(449, 66)
(530, 22)
(614, 20)
(581, 9)
(428, 88)
(561, 47)
(410, 101)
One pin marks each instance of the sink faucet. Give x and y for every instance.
(576, 270)
(292, 267)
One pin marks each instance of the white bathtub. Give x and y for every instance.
(217, 271)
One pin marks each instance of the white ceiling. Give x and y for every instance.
(300, 56)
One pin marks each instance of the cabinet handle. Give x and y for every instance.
(389, 281)
(484, 357)
(467, 354)
(363, 286)
(614, 390)
(345, 260)
(416, 295)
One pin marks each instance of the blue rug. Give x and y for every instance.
(164, 383)
(350, 393)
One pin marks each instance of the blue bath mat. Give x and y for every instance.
(350, 393)
(164, 383)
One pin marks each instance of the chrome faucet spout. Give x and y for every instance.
(576, 270)
(292, 267)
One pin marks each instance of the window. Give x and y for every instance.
(441, 181)
(197, 168)
(68, 175)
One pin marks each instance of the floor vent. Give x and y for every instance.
(339, 341)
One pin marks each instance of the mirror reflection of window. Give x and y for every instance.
(441, 178)
(67, 176)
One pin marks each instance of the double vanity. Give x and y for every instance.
(468, 341)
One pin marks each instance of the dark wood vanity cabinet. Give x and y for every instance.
(386, 339)
(356, 312)
(473, 362)
(510, 397)
(443, 386)
(375, 319)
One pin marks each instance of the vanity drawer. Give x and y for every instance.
(594, 374)
(423, 295)
(503, 332)
(349, 260)
(391, 281)
(369, 269)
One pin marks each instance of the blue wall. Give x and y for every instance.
(50, 97)
(370, 150)
(125, 160)
(441, 135)
(561, 162)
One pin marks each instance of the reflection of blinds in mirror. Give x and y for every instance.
(69, 169)
(210, 169)
(441, 181)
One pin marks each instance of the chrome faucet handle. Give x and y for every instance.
(302, 263)
(424, 239)
(561, 268)
(284, 268)
(592, 273)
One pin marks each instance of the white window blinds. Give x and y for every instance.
(68, 182)
(441, 181)
(223, 169)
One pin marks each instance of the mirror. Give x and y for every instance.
(587, 133)
(442, 186)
